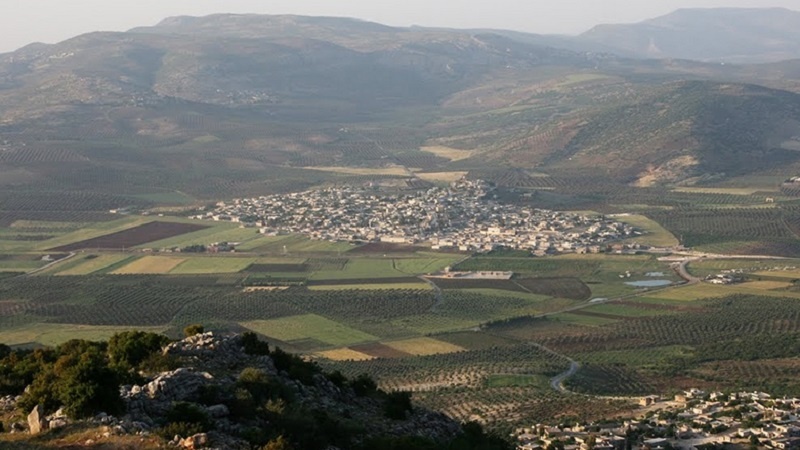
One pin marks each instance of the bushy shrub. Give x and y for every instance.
(363, 385)
(193, 329)
(397, 404)
(182, 429)
(129, 349)
(183, 412)
(253, 346)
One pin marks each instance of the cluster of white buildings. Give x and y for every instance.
(694, 420)
(463, 216)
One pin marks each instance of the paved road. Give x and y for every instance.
(437, 292)
(48, 265)
(557, 383)
(680, 269)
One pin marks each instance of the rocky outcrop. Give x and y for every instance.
(57, 420)
(8, 403)
(213, 363)
(157, 397)
(36, 420)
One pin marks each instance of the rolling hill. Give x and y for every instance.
(197, 109)
(733, 35)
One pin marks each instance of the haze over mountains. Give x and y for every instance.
(260, 103)
(735, 35)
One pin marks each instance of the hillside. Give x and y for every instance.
(217, 392)
(199, 109)
(732, 35)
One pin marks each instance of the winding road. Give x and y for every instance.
(557, 382)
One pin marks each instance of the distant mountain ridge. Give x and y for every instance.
(240, 105)
(734, 35)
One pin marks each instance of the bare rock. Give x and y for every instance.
(36, 420)
(195, 442)
(57, 423)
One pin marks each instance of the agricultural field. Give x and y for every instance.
(452, 154)
(731, 191)
(442, 177)
(344, 354)
(424, 346)
(704, 267)
(654, 234)
(37, 236)
(149, 265)
(705, 290)
(148, 232)
(309, 326)
(468, 347)
(88, 264)
(54, 334)
(210, 233)
(369, 286)
(20, 263)
(209, 264)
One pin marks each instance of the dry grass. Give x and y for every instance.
(345, 354)
(424, 346)
(149, 265)
(453, 154)
(447, 177)
(78, 436)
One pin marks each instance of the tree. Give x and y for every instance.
(397, 404)
(86, 384)
(193, 329)
(253, 346)
(363, 385)
(127, 350)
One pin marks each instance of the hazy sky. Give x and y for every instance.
(26, 21)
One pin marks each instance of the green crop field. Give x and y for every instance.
(226, 232)
(88, 264)
(309, 326)
(418, 265)
(362, 268)
(369, 286)
(55, 333)
(92, 231)
(705, 290)
(654, 233)
(210, 264)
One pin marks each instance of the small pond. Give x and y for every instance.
(649, 283)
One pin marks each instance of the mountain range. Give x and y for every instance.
(228, 105)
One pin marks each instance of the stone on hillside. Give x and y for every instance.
(58, 422)
(195, 442)
(36, 420)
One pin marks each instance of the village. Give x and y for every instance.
(694, 419)
(464, 216)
